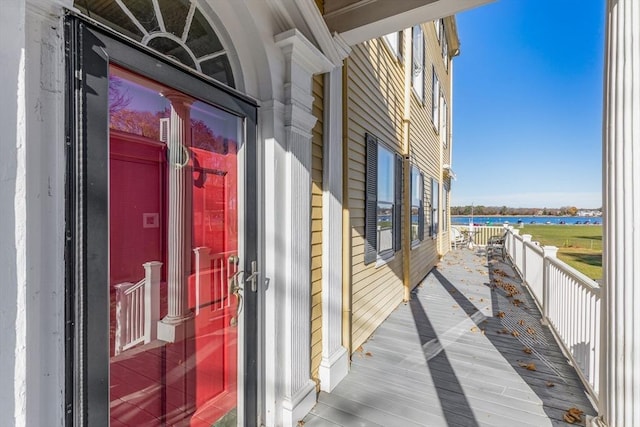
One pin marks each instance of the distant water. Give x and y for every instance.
(515, 220)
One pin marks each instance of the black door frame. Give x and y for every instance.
(89, 48)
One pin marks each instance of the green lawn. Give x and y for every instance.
(580, 246)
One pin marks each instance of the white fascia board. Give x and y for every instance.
(426, 13)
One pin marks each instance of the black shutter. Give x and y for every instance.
(397, 205)
(371, 200)
(421, 210)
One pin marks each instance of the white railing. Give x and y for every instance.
(572, 307)
(533, 268)
(481, 233)
(138, 309)
(212, 273)
(569, 302)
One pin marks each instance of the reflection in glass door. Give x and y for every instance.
(173, 236)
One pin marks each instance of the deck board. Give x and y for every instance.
(444, 359)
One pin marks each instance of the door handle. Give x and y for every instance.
(235, 289)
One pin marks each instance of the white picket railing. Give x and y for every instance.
(212, 273)
(138, 309)
(569, 302)
(480, 234)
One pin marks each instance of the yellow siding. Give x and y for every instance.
(316, 229)
(426, 151)
(374, 105)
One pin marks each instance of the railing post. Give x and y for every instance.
(525, 238)
(548, 252)
(122, 308)
(515, 247)
(508, 240)
(151, 299)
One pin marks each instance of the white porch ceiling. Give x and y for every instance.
(360, 20)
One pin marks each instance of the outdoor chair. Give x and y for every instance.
(458, 238)
(496, 243)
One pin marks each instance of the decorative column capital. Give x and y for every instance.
(300, 51)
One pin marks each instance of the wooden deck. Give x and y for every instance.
(455, 356)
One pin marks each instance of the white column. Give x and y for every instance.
(13, 202)
(302, 60)
(620, 379)
(32, 192)
(170, 328)
(335, 360)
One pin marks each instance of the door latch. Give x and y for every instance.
(253, 277)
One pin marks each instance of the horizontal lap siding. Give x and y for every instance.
(374, 105)
(316, 228)
(425, 150)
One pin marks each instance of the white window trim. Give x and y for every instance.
(395, 51)
(420, 78)
(435, 100)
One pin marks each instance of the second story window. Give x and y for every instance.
(394, 41)
(444, 46)
(417, 75)
(435, 100)
(443, 123)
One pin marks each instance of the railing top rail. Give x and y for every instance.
(128, 287)
(535, 246)
(581, 278)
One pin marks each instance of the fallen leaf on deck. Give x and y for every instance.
(475, 329)
(527, 350)
(529, 366)
(300, 423)
(515, 333)
(573, 415)
(521, 322)
(550, 384)
(368, 354)
(500, 314)
(359, 349)
(531, 331)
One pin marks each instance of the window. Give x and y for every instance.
(445, 211)
(434, 208)
(444, 46)
(383, 200)
(179, 30)
(417, 206)
(443, 123)
(435, 99)
(417, 75)
(394, 41)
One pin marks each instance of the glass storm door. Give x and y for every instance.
(177, 214)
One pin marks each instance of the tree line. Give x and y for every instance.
(504, 210)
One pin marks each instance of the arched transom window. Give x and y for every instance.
(175, 28)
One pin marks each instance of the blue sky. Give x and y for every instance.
(527, 108)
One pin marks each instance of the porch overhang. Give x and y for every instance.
(360, 20)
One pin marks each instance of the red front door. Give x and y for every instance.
(173, 254)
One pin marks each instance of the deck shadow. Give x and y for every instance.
(515, 326)
(434, 357)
